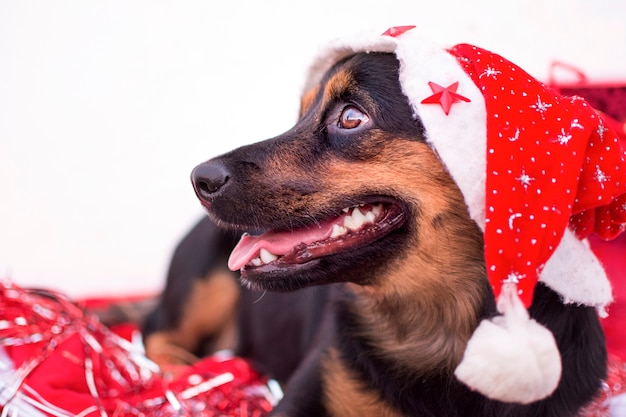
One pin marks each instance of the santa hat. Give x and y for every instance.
(539, 173)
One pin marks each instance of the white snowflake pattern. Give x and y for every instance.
(525, 179)
(601, 130)
(541, 107)
(601, 176)
(563, 138)
(490, 72)
(514, 278)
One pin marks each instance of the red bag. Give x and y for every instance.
(607, 97)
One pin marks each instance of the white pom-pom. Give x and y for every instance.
(511, 358)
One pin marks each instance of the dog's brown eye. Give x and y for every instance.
(351, 117)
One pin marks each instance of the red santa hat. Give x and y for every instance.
(539, 173)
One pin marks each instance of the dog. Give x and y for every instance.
(363, 274)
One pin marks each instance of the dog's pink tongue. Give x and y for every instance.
(278, 243)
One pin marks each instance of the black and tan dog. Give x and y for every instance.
(364, 277)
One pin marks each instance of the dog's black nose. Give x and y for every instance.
(208, 178)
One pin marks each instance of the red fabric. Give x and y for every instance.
(551, 162)
(101, 303)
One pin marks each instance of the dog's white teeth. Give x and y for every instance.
(349, 223)
(345, 210)
(358, 218)
(267, 256)
(355, 221)
(338, 231)
(374, 212)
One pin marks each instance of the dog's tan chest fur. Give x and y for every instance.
(346, 395)
(210, 310)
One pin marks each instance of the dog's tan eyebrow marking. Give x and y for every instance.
(341, 85)
(333, 89)
(337, 85)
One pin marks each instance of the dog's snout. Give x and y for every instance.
(208, 178)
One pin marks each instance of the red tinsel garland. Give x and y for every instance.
(57, 360)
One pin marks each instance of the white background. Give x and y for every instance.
(106, 106)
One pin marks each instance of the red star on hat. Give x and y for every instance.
(397, 30)
(445, 96)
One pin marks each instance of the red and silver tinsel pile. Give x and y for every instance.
(57, 360)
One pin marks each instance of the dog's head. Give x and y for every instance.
(357, 191)
(351, 190)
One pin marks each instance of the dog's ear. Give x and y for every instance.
(307, 100)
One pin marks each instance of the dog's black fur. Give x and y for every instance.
(385, 332)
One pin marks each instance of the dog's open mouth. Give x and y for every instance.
(355, 227)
